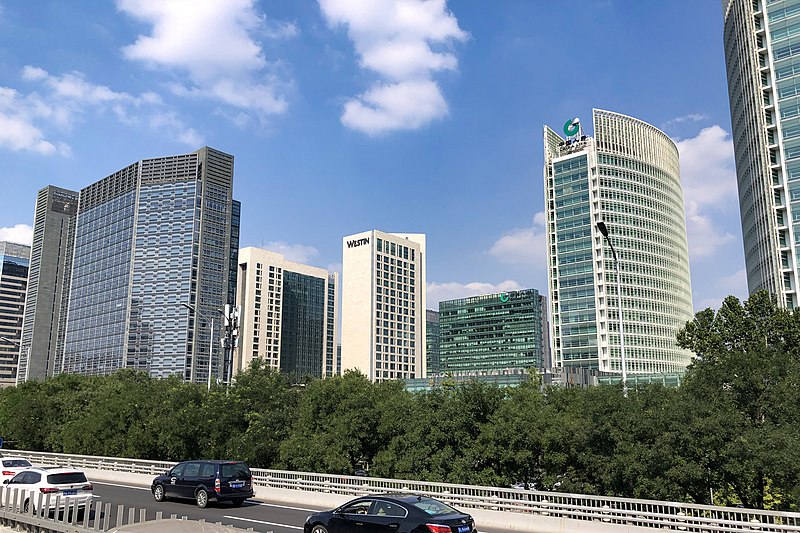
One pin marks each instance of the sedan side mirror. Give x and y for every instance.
(5, 481)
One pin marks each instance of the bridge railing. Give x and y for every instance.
(692, 518)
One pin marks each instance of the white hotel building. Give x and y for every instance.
(383, 305)
(289, 314)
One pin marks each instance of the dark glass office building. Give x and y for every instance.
(14, 259)
(150, 240)
(432, 341)
(46, 304)
(492, 332)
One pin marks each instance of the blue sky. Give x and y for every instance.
(416, 116)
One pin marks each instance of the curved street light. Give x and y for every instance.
(604, 230)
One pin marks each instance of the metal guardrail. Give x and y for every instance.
(50, 514)
(692, 518)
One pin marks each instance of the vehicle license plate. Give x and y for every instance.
(237, 484)
(69, 492)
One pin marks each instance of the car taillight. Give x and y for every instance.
(217, 485)
(8, 473)
(48, 490)
(88, 486)
(438, 528)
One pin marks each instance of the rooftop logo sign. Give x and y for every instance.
(572, 127)
(357, 242)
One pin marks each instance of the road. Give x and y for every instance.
(261, 516)
(258, 514)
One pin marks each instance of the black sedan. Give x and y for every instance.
(391, 513)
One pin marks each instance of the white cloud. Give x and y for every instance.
(709, 187)
(21, 234)
(524, 246)
(211, 41)
(404, 42)
(407, 105)
(437, 292)
(63, 100)
(299, 253)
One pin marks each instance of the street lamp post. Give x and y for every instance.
(211, 340)
(604, 230)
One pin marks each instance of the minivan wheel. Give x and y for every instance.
(319, 528)
(237, 502)
(202, 499)
(158, 493)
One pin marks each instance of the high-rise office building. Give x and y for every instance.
(14, 260)
(492, 332)
(432, 341)
(627, 176)
(762, 51)
(152, 268)
(43, 328)
(383, 305)
(288, 314)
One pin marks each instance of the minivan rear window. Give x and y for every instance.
(234, 471)
(66, 478)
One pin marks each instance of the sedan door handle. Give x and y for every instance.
(359, 523)
(394, 526)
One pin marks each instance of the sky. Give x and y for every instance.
(408, 116)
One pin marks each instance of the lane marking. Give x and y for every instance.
(261, 522)
(255, 501)
(287, 507)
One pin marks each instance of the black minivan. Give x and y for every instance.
(204, 481)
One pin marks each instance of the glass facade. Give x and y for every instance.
(762, 53)
(628, 177)
(150, 239)
(303, 321)
(14, 263)
(432, 343)
(491, 332)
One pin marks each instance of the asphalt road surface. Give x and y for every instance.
(258, 514)
(261, 516)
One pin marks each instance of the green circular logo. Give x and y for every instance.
(572, 127)
(503, 297)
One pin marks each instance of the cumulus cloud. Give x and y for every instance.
(19, 131)
(299, 253)
(213, 42)
(61, 101)
(524, 246)
(709, 187)
(21, 234)
(405, 42)
(438, 292)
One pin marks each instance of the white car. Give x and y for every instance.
(63, 486)
(11, 466)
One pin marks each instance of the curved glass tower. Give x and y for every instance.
(627, 176)
(762, 53)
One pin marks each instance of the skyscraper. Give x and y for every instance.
(627, 176)
(43, 328)
(432, 341)
(762, 47)
(150, 238)
(288, 316)
(14, 260)
(383, 305)
(492, 332)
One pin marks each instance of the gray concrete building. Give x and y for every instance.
(47, 298)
